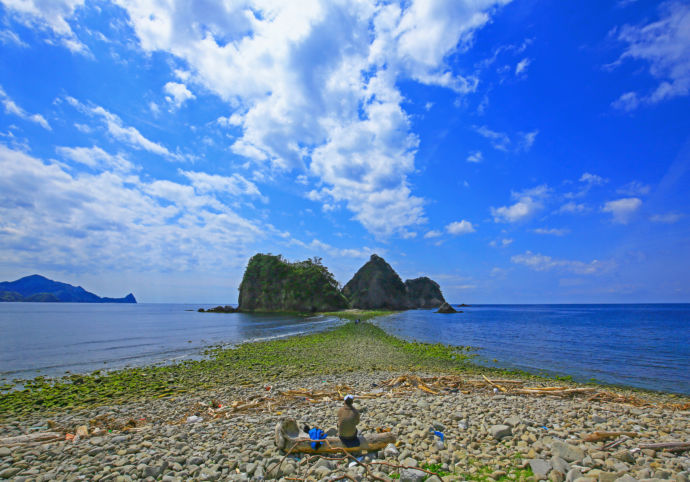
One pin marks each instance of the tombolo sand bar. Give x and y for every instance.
(133, 424)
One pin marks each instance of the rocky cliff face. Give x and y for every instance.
(376, 286)
(270, 283)
(423, 293)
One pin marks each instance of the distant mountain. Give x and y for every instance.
(41, 289)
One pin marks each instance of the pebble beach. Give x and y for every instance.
(226, 432)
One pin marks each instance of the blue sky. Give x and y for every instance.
(518, 151)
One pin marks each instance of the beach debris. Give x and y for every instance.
(82, 431)
(194, 419)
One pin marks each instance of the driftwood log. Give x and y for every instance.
(290, 438)
(669, 446)
(30, 438)
(599, 436)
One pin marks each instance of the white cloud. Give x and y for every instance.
(127, 134)
(503, 142)
(433, 234)
(315, 85)
(460, 227)
(528, 139)
(521, 66)
(12, 108)
(622, 209)
(235, 184)
(503, 243)
(96, 158)
(178, 93)
(52, 15)
(475, 156)
(540, 262)
(114, 220)
(572, 208)
(665, 45)
(628, 102)
(592, 179)
(552, 231)
(528, 202)
(499, 140)
(667, 218)
(8, 37)
(634, 188)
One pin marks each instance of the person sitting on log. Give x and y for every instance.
(348, 418)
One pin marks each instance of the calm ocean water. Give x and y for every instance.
(52, 338)
(645, 346)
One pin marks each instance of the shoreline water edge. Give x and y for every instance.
(213, 419)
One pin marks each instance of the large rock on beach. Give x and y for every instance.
(376, 286)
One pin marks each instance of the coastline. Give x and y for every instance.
(131, 413)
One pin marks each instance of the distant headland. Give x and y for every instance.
(37, 288)
(271, 283)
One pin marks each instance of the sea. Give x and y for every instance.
(642, 345)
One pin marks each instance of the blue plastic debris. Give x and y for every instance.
(439, 434)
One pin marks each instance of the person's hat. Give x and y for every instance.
(349, 397)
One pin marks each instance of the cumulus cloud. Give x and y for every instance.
(622, 209)
(315, 86)
(49, 15)
(540, 262)
(460, 227)
(665, 46)
(114, 220)
(12, 108)
(433, 234)
(178, 93)
(527, 203)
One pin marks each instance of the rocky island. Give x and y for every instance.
(37, 288)
(376, 285)
(271, 283)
